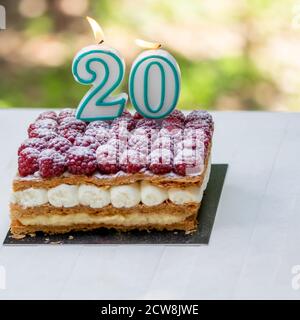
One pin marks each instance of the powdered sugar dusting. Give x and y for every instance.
(126, 145)
(80, 151)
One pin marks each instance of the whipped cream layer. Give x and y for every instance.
(123, 196)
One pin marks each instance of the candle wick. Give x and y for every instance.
(101, 41)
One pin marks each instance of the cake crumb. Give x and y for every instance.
(70, 237)
(32, 235)
(18, 236)
(55, 242)
(189, 232)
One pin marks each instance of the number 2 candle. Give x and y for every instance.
(154, 81)
(103, 68)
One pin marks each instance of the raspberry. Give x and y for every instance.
(51, 163)
(188, 143)
(137, 116)
(200, 115)
(133, 161)
(207, 142)
(81, 160)
(60, 144)
(47, 115)
(113, 142)
(28, 161)
(162, 142)
(172, 124)
(118, 144)
(65, 113)
(147, 123)
(171, 127)
(70, 135)
(207, 128)
(196, 133)
(92, 132)
(199, 136)
(101, 134)
(161, 161)
(202, 137)
(188, 161)
(180, 169)
(71, 123)
(199, 124)
(175, 135)
(163, 132)
(107, 159)
(139, 143)
(87, 141)
(49, 124)
(36, 143)
(197, 145)
(108, 122)
(146, 132)
(120, 133)
(126, 114)
(47, 134)
(97, 125)
(123, 123)
(176, 114)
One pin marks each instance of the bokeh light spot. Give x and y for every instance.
(73, 8)
(32, 8)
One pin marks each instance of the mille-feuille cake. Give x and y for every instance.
(129, 173)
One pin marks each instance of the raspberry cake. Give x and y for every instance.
(129, 173)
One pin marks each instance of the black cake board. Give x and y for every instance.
(206, 216)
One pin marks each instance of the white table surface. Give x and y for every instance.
(253, 247)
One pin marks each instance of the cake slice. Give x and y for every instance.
(129, 173)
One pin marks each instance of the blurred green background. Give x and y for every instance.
(233, 54)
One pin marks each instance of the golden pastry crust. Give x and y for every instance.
(189, 224)
(166, 207)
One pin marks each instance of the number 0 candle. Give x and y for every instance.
(103, 68)
(154, 81)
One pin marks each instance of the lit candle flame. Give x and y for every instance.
(147, 45)
(97, 30)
